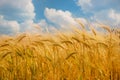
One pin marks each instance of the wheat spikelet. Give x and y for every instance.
(103, 43)
(56, 44)
(4, 45)
(67, 42)
(106, 28)
(80, 23)
(71, 54)
(37, 27)
(47, 40)
(48, 58)
(94, 32)
(21, 37)
(81, 41)
(5, 54)
(37, 42)
(76, 39)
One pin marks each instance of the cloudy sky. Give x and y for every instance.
(23, 15)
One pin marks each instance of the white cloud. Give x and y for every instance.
(38, 27)
(106, 12)
(84, 4)
(59, 17)
(109, 17)
(43, 23)
(17, 9)
(8, 27)
(18, 15)
(114, 16)
(26, 25)
(62, 19)
(97, 5)
(82, 20)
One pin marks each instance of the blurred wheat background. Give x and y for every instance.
(75, 55)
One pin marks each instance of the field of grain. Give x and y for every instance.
(75, 55)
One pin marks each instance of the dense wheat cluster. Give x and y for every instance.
(75, 55)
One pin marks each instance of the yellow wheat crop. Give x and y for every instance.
(59, 56)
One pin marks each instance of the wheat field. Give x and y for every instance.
(75, 55)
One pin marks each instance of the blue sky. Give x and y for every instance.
(64, 5)
(23, 15)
